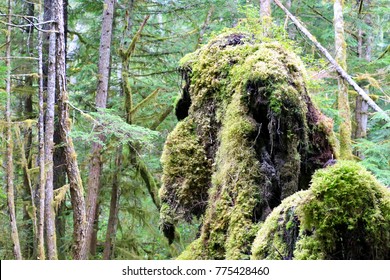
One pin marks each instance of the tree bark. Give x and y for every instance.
(114, 208)
(95, 168)
(9, 149)
(327, 55)
(41, 147)
(72, 169)
(265, 9)
(345, 130)
(364, 51)
(51, 240)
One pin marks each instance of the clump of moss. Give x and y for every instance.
(186, 176)
(247, 115)
(344, 215)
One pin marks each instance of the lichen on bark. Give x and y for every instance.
(249, 137)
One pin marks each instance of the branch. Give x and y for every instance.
(338, 68)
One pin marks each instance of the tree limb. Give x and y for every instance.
(338, 68)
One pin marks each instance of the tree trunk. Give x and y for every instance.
(343, 101)
(49, 144)
(95, 168)
(41, 158)
(114, 208)
(9, 149)
(59, 166)
(72, 169)
(265, 9)
(364, 51)
(337, 67)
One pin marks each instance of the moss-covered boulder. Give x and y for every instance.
(249, 137)
(344, 215)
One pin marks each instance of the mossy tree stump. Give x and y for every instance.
(249, 137)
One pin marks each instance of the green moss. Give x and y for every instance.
(186, 171)
(344, 215)
(247, 140)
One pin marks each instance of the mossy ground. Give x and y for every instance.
(249, 137)
(344, 215)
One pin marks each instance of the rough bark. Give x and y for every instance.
(327, 55)
(72, 169)
(9, 148)
(345, 130)
(41, 147)
(95, 168)
(114, 208)
(49, 145)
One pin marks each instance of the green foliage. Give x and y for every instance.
(375, 149)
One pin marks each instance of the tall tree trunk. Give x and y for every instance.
(41, 158)
(114, 208)
(30, 228)
(343, 101)
(95, 168)
(72, 169)
(9, 149)
(364, 51)
(265, 9)
(59, 166)
(327, 55)
(265, 16)
(51, 240)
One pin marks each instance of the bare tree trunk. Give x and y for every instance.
(95, 168)
(337, 67)
(41, 158)
(51, 241)
(9, 141)
(343, 101)
(265, 9)
(76, 185)
(364, 51)
(114, 208)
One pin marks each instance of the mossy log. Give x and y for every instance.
(249, 137)
(344, 215)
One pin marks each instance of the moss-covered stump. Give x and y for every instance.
(344, 215)
(249, 137)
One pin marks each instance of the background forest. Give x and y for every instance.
(88, 91)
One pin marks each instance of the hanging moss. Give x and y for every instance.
(344, 215)
(255, 138)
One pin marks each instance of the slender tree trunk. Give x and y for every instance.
(30, 228)
(114, 208)
(94, 237)
(364, 51)
(9, 149)
(72, 169)
(265, 9)
(95, 168)
(51, 241)
(343, 101)
(59, 166)
(327, 55)
(41, 158)
(265, 16)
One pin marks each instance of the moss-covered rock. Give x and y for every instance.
(344, 215)
(254, 138)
